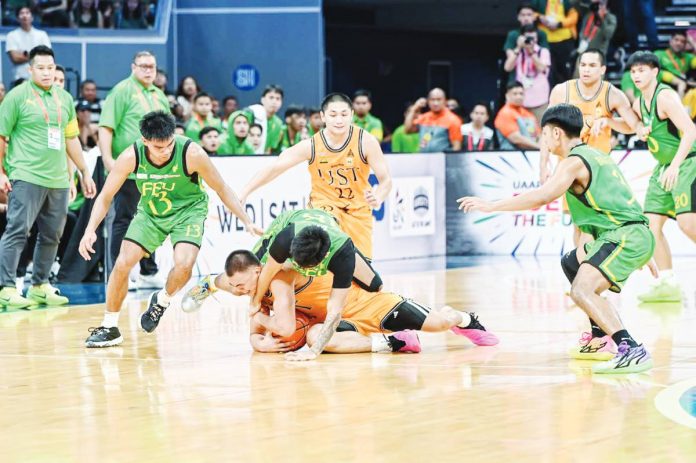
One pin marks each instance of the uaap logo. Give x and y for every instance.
(421, 201)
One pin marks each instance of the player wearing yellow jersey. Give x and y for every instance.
(340, 158)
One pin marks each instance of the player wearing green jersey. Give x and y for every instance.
(672, 187)
(602, 204)
(168, 171)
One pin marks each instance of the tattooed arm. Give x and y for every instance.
(334, 307)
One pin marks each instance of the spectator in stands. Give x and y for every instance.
(402, 142)
(185, 93)
(214, 106)
(675, 63)
(106, 8)
(477, 136)
(88, 94)
(515, 40)
(59, 80)
(597, 28)
(180, 129)
(2, 92)
(132, 15)
(210, 140)
(89, 130)
(21, 40)
(517, 127)
(439, 129)
(161, 81)
(85, 14)
(558, 19)
(235, 141)
(630, 22)
(531, 64)
(53, 13)
(265, 114)
(255, 137)
(201, 116)
(38, 180)
(295, 129)
(119, 128)
(362, 105)
(315, 123)
(229, 105)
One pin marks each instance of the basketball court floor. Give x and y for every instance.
(193, 391)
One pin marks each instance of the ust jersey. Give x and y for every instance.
(592, 109)
(339, 176)
(310, 298)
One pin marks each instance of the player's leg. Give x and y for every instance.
(108, 334)
(365, 275)
(348, 340)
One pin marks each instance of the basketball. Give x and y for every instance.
(299, 337)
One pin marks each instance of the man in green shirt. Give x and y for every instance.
(362, 104)
(295, 129)
(169, 171)
(675, 63)
(265, 114)
(404, 142)
(235, 140)
(602, 204)
(122, 111)
(201, 116)
(38, 119)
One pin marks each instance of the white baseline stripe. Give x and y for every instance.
(250, 10)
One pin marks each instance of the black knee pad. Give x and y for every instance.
(570, 264)
(375, 284)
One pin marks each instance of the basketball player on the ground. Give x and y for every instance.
(340, 157)
(168, 172)
(672, 188)
(602, 204)
(370, 322)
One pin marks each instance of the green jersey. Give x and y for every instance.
(286, 142)
(298, 220)
(664, 138)
(167, 189)
(403, 142)
(274, 134)
(608, 202)
(370, 124)
(197, 123)
(229, 144)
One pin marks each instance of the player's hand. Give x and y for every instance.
(86, 244)
(253, 229)
(5, 184)
(472, 203)
(669, 177)
(544, 174)
(598, 125)
(643, 132)
(89, 189)
(300, 356)
(652, 266)
(72, 192)
(271, 344)
(108, 163)
(254, 307)
(372, 200)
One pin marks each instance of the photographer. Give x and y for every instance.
(531, 64)
(514, 40)
(596, 29)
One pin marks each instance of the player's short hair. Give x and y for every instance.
(647, 58)
(596, 51)
(40, 50)
(309, 246)
(157, 125)
(363, 92)
(239, 261)
(513, 85)
(256, 125)
(335, 97)
(273, 89)
(206, 130)
(294, 109)
(566, 117)
(201, 95)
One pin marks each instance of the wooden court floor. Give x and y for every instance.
(194, 392)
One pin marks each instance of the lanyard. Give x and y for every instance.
(470, 142)
(145, 103)
(528, 68)
(677, 65)
(589, 31)
(45, 110)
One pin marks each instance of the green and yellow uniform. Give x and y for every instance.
(609, 211)
(172, 203)
(663, 143)
(370, 124)
(292, 222)
(38, 122)
(286, 142)
(403, 142)
(125, 106)
(229, 144)
(673, 64)
(197, 123)
(274, 134)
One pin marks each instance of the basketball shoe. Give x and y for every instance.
(151, 317)
(194, 297)
(591, 348)
(627, 360)
(476, 333)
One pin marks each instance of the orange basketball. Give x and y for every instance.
(299, 337)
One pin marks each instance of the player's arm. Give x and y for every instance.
(669, 104)
(378, 164)
(628, 121)
(282, 322)
(556, 97)
(287, 159)
(198, 161)
(124, 165)
(567, 172)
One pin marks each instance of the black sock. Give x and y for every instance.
(622, 335)
(597, 332)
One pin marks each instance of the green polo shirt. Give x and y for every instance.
(370, 124)
(403, 142)
(229, 144)
(23, 121)
(194, 126)
(123, 108)
(274, 134)
(679, 65)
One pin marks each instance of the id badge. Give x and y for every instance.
(54, 138)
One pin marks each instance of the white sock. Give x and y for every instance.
(110, 319)
(163, 298)
(466, 319)
(380, 343)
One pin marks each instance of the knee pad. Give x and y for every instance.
(374, 286)
(570, 264)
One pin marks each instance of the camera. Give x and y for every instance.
(529, 40)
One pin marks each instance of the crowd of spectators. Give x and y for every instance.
(96, 14)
